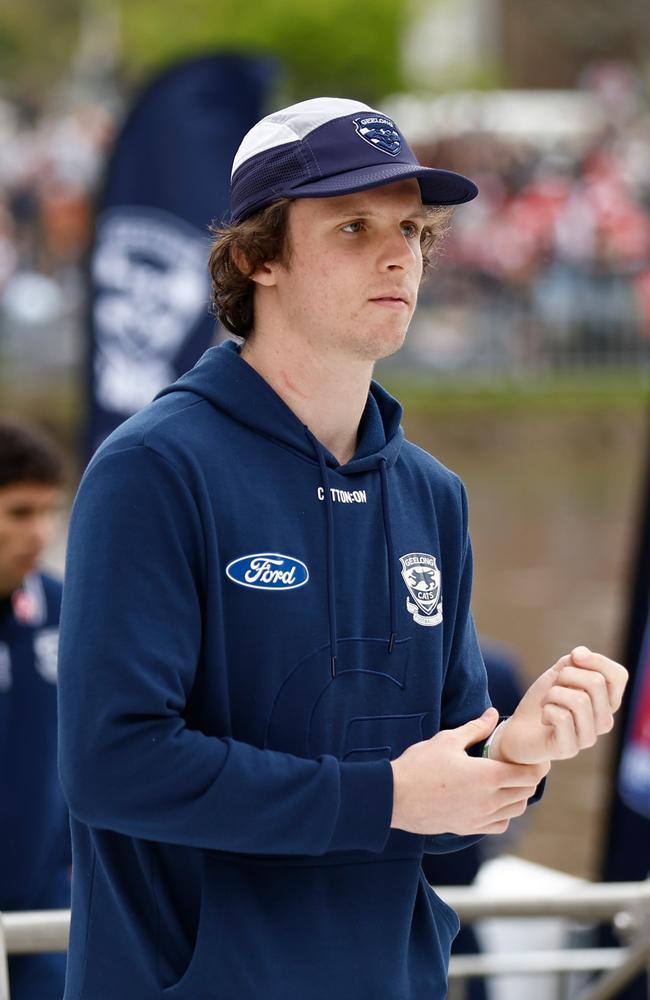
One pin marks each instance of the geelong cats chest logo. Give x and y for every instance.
(422, 578)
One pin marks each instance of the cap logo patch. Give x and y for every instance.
(380, 133)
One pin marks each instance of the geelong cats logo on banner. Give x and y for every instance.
(422, 577)
(151, 289)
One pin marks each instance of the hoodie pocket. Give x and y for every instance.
(357, 931)
(438, 906)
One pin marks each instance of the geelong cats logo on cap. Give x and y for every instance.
(268, 571)
(380, 133)
(422, 577)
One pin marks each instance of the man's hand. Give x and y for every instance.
(563, 711)
(438, 788)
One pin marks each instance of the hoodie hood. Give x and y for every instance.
(231, 384)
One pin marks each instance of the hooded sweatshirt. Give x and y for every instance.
(250, 633)
(35, 852)
(35, 855)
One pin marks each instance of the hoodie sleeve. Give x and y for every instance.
(130, 642)
(465, 695)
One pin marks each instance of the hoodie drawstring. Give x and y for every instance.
(390, 552)
(331, 575)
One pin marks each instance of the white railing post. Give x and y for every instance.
(4, 964)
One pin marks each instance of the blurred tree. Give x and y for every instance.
(37, 39)
(339, 47)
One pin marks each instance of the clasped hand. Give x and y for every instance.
(565, 710)
(438, 788)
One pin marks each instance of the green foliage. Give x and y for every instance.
(336, 47)
(597, 391)
(37, 39)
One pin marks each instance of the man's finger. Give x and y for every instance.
(476, 729)
(516, 775)
(615, 674)
(564, 735)
(578, 702)
(510, 811)
(512, 796)
(500, 827)
(594, 683)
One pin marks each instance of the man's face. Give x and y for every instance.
(351, 282)
(27, 520)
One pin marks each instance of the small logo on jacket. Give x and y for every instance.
(422, 577)
(268, 571)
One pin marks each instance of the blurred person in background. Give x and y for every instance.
(34, 849)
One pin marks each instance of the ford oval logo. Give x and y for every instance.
(268, 571)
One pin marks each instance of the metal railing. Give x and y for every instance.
(625, 904)
(28, 933)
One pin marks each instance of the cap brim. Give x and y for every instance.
(438, 187)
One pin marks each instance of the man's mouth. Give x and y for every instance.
(391, 301)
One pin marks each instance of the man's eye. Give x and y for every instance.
(410, 230)
(352, 227)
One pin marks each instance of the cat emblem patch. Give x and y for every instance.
(423, 581)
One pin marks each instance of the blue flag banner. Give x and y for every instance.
(634, 773)
(167, 179)
(627, 836)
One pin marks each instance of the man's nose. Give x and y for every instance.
(41, 530)
(398, 252)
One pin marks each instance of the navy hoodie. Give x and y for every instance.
(35, 855)
(250, 633)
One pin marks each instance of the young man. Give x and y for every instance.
(35, 855)
(270, 675)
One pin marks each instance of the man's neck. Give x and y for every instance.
(328, 394)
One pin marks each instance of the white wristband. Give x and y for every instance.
(486, 745)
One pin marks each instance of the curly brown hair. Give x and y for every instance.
(263, 237)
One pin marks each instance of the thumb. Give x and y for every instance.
(477, 729)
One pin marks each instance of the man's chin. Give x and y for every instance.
(386, 345)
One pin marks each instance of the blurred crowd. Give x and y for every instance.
(553, 259)
(49, 171)
(550, 265)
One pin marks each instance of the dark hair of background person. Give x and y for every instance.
(28, 455)
(263, 237)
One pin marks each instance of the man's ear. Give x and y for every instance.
(262, 275)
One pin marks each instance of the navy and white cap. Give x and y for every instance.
(331, 146)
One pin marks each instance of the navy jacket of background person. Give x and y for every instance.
(250, 632)
(35, 855)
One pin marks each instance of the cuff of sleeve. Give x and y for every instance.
(481, 749)
(539, 791)
(365, 807)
